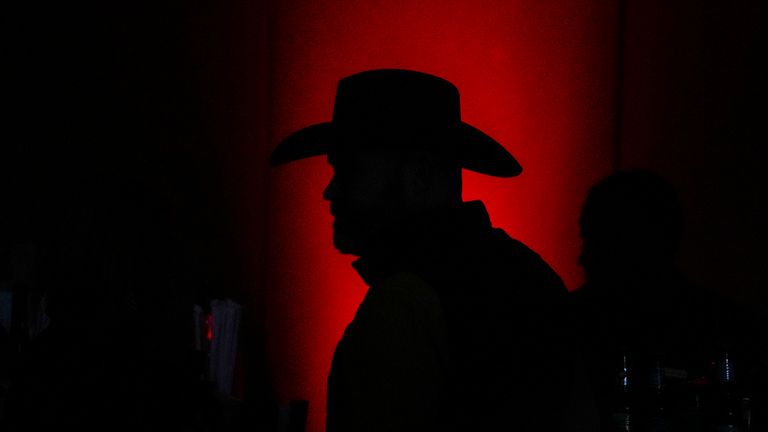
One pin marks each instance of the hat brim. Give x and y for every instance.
(478, 152)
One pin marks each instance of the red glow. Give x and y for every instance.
(209, 327)
(536, 75)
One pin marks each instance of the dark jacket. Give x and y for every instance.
(463, 328)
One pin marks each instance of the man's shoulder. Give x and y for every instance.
(402, 288)
(527, 268)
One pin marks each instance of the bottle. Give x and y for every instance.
(657, 411)
(695, 409)
(624, 418)
(746, 414)
(728, 401)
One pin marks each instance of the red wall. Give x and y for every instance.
(539, 76)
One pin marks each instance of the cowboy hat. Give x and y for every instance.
(384, 106)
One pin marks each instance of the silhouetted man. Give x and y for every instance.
(640, 313)
(461, 328)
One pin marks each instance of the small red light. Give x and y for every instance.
(209, 327)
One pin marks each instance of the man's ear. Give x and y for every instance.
(423, 171)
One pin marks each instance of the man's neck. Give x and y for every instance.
(408, 246)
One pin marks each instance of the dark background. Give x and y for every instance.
(694, 110)
(123, 136)
(115, 208)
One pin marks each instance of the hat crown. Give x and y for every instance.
(398, 108)
(395, 99)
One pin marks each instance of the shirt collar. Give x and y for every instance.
(425, 241)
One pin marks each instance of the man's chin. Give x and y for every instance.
(354, 239)
(345, 245)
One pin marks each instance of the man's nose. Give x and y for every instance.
(329, 194)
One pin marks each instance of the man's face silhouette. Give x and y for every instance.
(369, 195)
